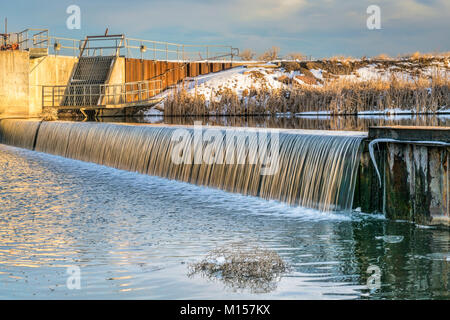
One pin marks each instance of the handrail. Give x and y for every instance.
(135, 48)
(94, 95)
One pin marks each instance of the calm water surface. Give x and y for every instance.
(346, 123)
(133, 236)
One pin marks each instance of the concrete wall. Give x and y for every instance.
(50, 70)
(415, 175)
(417, 183)
(14, 83)
(118, 72)
(368, 191)
(22, 78)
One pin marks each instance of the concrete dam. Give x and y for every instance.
(399, 171)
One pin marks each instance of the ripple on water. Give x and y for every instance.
(132, 236)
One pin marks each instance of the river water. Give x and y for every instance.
(133, 236)
(315, 122)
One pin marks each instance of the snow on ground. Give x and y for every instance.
(237, 80)
(317, 73)
(376, 113)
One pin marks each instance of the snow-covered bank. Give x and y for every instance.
(285, 81)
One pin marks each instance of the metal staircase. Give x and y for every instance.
(85, 85)
(92, 71)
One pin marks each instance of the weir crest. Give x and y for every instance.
(314, 170)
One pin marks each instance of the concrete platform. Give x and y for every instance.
(411, 133)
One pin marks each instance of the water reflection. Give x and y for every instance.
(345, 123)
(134, 235)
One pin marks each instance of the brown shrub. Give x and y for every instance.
(295, 56)
(307, 79)
(270, 55)
(290, 66)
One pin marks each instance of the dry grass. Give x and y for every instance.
(49, 114)
(350, 97)
(242, 267)
(382, 56)
(424, 94)
(339, 97)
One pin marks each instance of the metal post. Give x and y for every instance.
(140, 91)
(43, 95)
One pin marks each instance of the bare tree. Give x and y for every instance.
(270, 55)
(247, 55)
(295, 56)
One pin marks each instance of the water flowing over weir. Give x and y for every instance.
(316, 169)
(19, 133)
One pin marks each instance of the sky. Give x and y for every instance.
(320, 28)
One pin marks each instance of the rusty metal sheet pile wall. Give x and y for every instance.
(170, 73)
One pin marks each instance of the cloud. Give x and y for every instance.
(319, 27)
(250, 10)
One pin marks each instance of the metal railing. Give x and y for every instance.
(107, 45)
(40, 38)
(158, 50)
(100, 95)
(127, 47)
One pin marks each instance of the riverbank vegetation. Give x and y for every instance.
(342, 96)
(416, 83)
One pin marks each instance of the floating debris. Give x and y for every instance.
(242, 267)
(391, 239)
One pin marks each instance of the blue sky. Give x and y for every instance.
(319, 28)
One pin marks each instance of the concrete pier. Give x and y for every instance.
(413, 165)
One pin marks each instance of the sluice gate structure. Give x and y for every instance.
(105, 75)
(396, 171)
